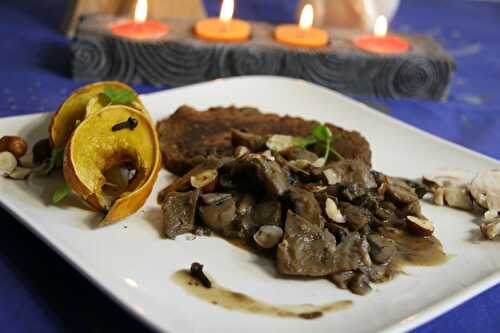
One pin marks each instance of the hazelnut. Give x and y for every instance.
(14, 144)
(420, 226)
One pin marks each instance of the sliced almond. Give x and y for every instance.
(439, 196)
(490, 215)
(319, 163)
(20, 173)
(333, 212)
(300, 164)
(420, 226)
(331, 177)
(8, 163)
(279, 142)
(241, 151)
(491, 228)
(204, 180)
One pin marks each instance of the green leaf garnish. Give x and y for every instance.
(119, 96)
(56, 158)
(302, 142)
(61, 193)
(322, 133)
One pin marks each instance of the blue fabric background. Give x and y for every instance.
(39, 292)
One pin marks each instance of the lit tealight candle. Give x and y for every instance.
(140, 28)
(224, 28)
(380, 42)
(303, 34)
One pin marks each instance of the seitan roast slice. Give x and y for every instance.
(188, 135)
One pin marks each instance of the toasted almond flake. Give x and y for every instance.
(300, 164)
(420, 226)
(491, 228)
(241, 151)
(204, 178)
(439, 196)
(490, 215)
(333, 212)
(331, 176)
(20, 173)
(319, 163)
(279, 142)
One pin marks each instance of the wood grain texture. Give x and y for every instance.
(156, 9)
(180, 58)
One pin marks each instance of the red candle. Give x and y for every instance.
(380, 42)
(140, 28)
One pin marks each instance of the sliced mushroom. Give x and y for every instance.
(252, 141)
(446, 177)
(457, 197)
(485, 189)
(179, 210)
(382, 249)
(219, 216)
(306, 250)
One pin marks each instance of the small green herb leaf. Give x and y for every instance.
(56, 158)
(302, 142)
(337, 154)
(322, 133)
(61, 193)
(119, 96)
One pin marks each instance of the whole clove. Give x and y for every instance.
(197, 272)
(130, 123)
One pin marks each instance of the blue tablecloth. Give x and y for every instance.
(39, 292)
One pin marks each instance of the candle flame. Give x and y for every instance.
(141, 10)
(306, 17)
(380, 27)
(226, 10)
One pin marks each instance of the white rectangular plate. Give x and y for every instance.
(134, 264)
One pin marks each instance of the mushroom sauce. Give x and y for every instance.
(330, 218)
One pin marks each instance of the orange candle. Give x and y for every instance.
(303, 35)
(139, 28)
(380, 42)
(224, 28)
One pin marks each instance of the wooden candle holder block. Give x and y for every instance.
(180, 58)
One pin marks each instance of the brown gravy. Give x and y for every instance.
(231, 300)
